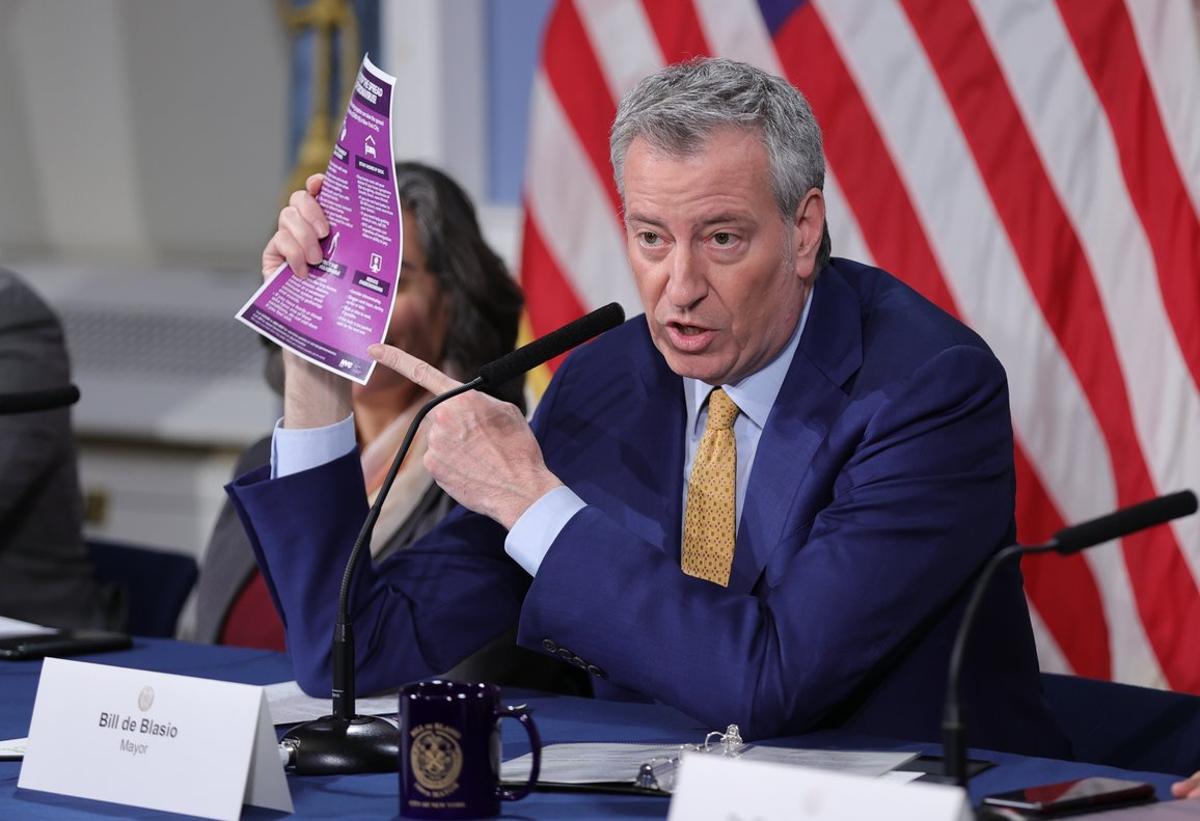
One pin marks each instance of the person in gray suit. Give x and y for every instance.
(46, 576)
(455, 302)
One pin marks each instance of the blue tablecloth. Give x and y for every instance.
(559, 719)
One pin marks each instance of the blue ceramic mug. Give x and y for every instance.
(450, 750)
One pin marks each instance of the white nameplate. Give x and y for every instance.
(720, 788)
(153, 740)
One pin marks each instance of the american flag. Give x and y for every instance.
(1031, 167)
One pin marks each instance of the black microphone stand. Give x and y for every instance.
(954, 722)
(1072, 539)
(344, 742)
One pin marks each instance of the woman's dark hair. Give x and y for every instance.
(484, 301)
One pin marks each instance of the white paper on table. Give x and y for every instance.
(857, 762)
(12, 749)
(603, 763)
(289, 705)
(12, 627)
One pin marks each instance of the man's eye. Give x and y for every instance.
(723, 238)
(650, 238)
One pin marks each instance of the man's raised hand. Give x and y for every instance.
(312, 397)
(301, 227)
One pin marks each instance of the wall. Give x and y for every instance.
(140, 132)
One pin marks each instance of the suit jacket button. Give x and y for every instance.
(596, 671)
(549, 646)
(565, 654)
(580, 663)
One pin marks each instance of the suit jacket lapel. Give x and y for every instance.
(811, 398)
(656, 427)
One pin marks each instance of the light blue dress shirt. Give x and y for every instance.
(532, 535)
(294, 450)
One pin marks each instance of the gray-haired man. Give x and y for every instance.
(762, 502)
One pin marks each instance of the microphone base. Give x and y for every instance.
(336, 746)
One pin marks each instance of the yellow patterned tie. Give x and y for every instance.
(708, 524)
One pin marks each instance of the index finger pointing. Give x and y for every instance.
(417, 370)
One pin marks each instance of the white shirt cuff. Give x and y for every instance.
(532, 534)
(298, 449)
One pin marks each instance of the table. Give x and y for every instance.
(559, 718)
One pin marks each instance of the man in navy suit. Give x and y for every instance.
(763, 502)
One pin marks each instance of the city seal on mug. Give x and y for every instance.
(450, 750)
(437, 759)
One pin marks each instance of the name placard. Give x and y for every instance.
(153, 740)
(720, 788)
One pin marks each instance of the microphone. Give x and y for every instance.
(1123, 522)
(39, 400)
(344, 742)
(1069, 540)
(528, 357)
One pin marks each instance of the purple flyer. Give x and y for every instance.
(345, 302)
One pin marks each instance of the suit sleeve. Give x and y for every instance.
(915, 510)
(418, 613)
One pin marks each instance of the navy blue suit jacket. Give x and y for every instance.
(882, 482)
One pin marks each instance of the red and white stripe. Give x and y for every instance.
(1033, 168)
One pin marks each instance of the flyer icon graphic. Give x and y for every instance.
(332, 315)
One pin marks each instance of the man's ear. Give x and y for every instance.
(807, 229)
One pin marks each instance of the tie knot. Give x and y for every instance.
(721, 410)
